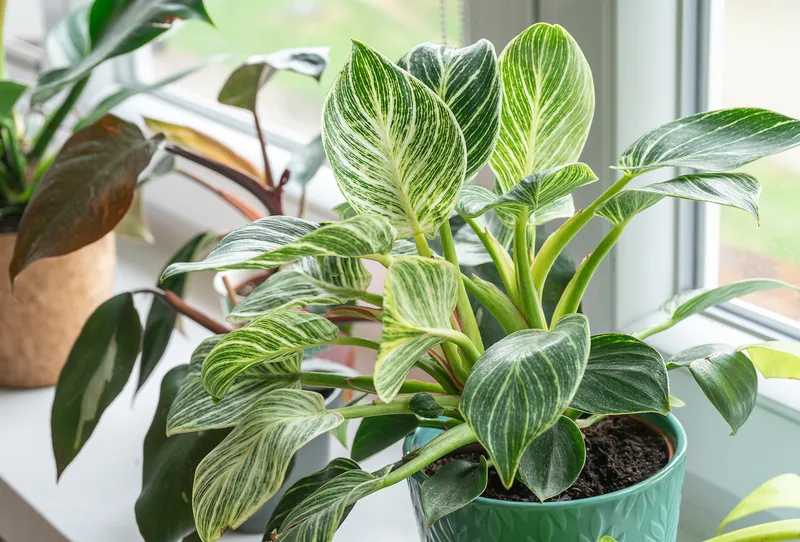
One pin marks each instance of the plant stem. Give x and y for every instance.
(462, 341)
(400, 405)
(175, 301)
(447, 442)
(465, 313)
(231, 291)
(383, 259)
(571, 298)
(364, 383)
(263, 144)
(54, 122)
(788, 529)
(501, 307)
(502, 261)
(356, 341)
(529, 298)
(301, 206)
(663, 326)
(558, 241)
(590, 421)
(245, 209)
(422, 245)
(373, 299)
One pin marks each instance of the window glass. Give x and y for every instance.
(291, 104)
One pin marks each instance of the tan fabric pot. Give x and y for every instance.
(51, 301)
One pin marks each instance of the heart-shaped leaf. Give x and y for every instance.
(394, 146)
(780, 492)
(714, 141)
(378, 433)
(320, 514)
(534, 192)
(276, 240)
(117, 27)
(98, 367)
(275, 337)
(305, 163)
(84, 193)
(520, 386)
(623, 376)
(309, 281)
(306, 487)
(727, 378)
(194, 409)
(163, 511)
(454, 486)
(775, 359)
(242, 86)
(418, 298)
(554, 460)
(468, 80)
(621, 208)
(249, 466)
(548, 104)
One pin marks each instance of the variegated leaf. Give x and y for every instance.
(775, 359)
(309, 281)
(554, 460)
(404, 247)
(713, 141)
(394, 146)
(274, 337)
(344, 210)
(468, 80)
(319, 515)
(249, 466)
(548, 104)
(627, 204)
(419, 297)
(306, 161)
(276, 240)
(357, 311)
(561, 208)
(194, 409)
(520, 386)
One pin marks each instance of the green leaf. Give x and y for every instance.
(606, 539)
(357, 311)
(468, 80)
(378, 433)
(161, 318)
(309, 281)
(780, 492)
(554, 460)
(344, 210)
(717, 140)
(454, 486)
(548, 104)
(425, 406)
(306, 487)
(249, 466)
(276, 240)
(520, 386)
(319, 515)
(10, 93)
(195, 410)
(775, 359)
(394, 146)
(163, 510)
(275, 337)
(97, 369)
(242, 86)
(305, 163)
(534, 192)
(418, 298)
(624, 206)
(68, 42)
(498, 303)
(727, 378)
(117, 27)
(84, 193)
(623, 376)
(737, 190)
(113, 100)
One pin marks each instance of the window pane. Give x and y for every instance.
(761, 47)
(290, 103)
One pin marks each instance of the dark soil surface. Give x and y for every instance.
(620, 452)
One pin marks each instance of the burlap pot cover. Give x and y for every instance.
(51, 301)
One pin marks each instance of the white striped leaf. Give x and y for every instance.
(468, 80)
(737, 190)
(275, 337)
(276, 240)
(775, 359)
(627, 204)
(394, 146)
(623, 376)
(520, 386)
(548, 104)
(713, 141)
(248, 467)
(404, 247)
(195, 410)
(554, 460)
(418, 298)
(561, 208)
(357, 311)
(344, 210)
(727, 377)
(534, 192)
(319, 515)
(309, 281)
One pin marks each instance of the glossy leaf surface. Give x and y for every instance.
(378, 433)
(554, 460)
(455, 485)
(780, 492)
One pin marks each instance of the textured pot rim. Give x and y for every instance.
(680, 453)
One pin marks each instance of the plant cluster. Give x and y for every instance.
(491, 311)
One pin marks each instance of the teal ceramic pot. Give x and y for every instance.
(645, 512)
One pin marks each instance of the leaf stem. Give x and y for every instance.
(383, 259)
(529, 298)
(373, 299)
(54, 122)
(788, 529)
(465, 314)
(400, 405)
(244, 208)
(502, 261)
(663, 326)
(422, 245)
(558, 241)
(356, 341)
(263, 144)
(175, 301)
(364, 383)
